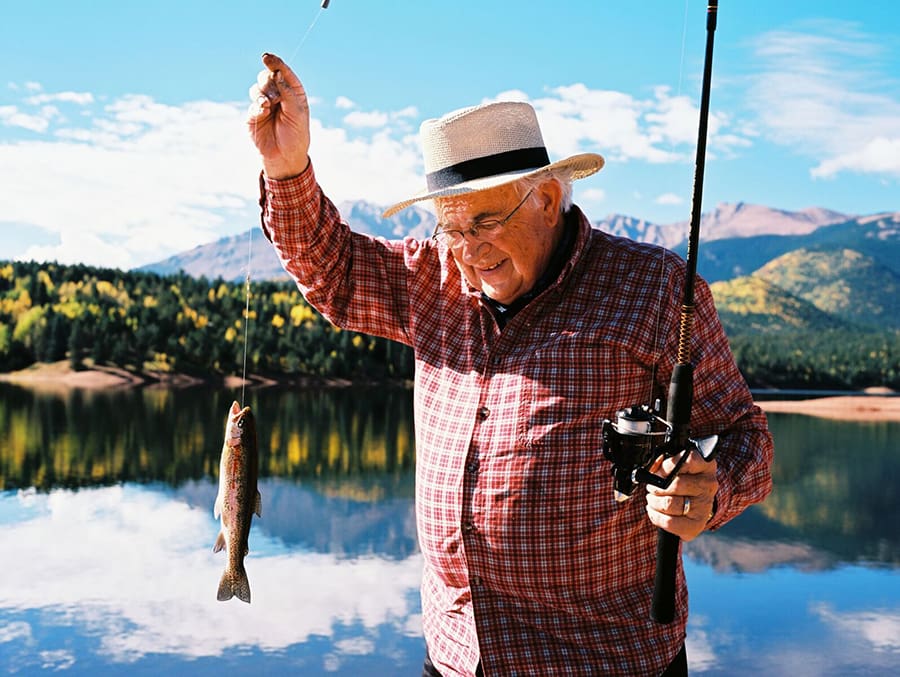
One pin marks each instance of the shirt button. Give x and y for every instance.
(497, 359)
(475, 580)
(472, 467)
(483, 413)
(468, 528)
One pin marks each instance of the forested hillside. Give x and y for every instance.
(153, 323)
(176, 323)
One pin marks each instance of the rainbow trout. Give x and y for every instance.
(237, 500)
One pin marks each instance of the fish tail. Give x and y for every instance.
(234, 583)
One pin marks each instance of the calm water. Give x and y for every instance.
(106, 530)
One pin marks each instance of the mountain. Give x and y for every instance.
(643, 231)
(770, 269)
(877, 236)
(364, 217)
(726, 221)
(746, 220)
(841, 282)
(227, 257)
(752, 304)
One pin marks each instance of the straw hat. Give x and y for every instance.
(475, 148)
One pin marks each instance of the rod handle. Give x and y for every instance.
(662, 608)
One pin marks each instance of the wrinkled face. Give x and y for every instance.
(513, 261)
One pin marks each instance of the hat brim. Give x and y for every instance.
(579, 166)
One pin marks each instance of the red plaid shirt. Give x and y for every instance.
(530, 564)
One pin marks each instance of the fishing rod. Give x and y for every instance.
(639, 436)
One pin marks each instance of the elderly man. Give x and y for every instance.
(529, 329)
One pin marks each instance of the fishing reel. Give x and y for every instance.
(636, 439)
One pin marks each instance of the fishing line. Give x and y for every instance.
(684, 26)
(308, 30)
(247, 314)
(322, 8)
(656, 330)
(662, 262)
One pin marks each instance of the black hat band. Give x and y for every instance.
(490, 165)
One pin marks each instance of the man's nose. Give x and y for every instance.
(472, 250)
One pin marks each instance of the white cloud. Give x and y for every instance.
(669, 199)
(138, 179)
(79, 98)
(135, 186)
(408, 112)
(17, 630)
(11, 116)
(880, 630)
(879, 155)
(363, 119)
(658, 129)
(593, 194)
(822, 92)
(701, 651)
(136, 568)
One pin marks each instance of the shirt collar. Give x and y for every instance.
(562, 255)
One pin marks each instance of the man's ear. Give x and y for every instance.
(550, 195)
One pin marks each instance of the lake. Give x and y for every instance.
(107, 531)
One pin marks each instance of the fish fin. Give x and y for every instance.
(257, 504)
(217, 506)
(220, 542)
(242, 586)
(226, 589)
(233, 583)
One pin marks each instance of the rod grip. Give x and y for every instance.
(662, 608)
(678, 412)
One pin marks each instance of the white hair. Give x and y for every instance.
(562, 176)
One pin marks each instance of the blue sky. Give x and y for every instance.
(121, 123)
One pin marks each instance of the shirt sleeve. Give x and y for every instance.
(723, 405)
(357, 281)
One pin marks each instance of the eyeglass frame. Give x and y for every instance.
(455, 237)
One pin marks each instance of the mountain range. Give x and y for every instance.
(769, 269)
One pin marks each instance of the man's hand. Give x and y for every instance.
(278, 119)
(686, 506)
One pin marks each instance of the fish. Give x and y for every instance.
(237, 500)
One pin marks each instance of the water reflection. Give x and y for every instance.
(84, 438)
(108, 510)
(119, 571)
(834, 500)
(130, 573)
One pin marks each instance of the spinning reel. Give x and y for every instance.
(636, 439)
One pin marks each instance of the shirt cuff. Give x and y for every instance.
(285, 194)
(288, 193)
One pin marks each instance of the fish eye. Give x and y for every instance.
(240, 423)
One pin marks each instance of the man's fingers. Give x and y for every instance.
(277, 66)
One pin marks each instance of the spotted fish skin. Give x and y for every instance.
(237, 500)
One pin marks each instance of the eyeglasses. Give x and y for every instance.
(486, 230)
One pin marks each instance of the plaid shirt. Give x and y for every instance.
(530, 564)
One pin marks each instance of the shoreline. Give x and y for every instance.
(861, 408)
(875, 404)
(60, 377)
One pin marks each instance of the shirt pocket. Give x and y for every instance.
(574, 380)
